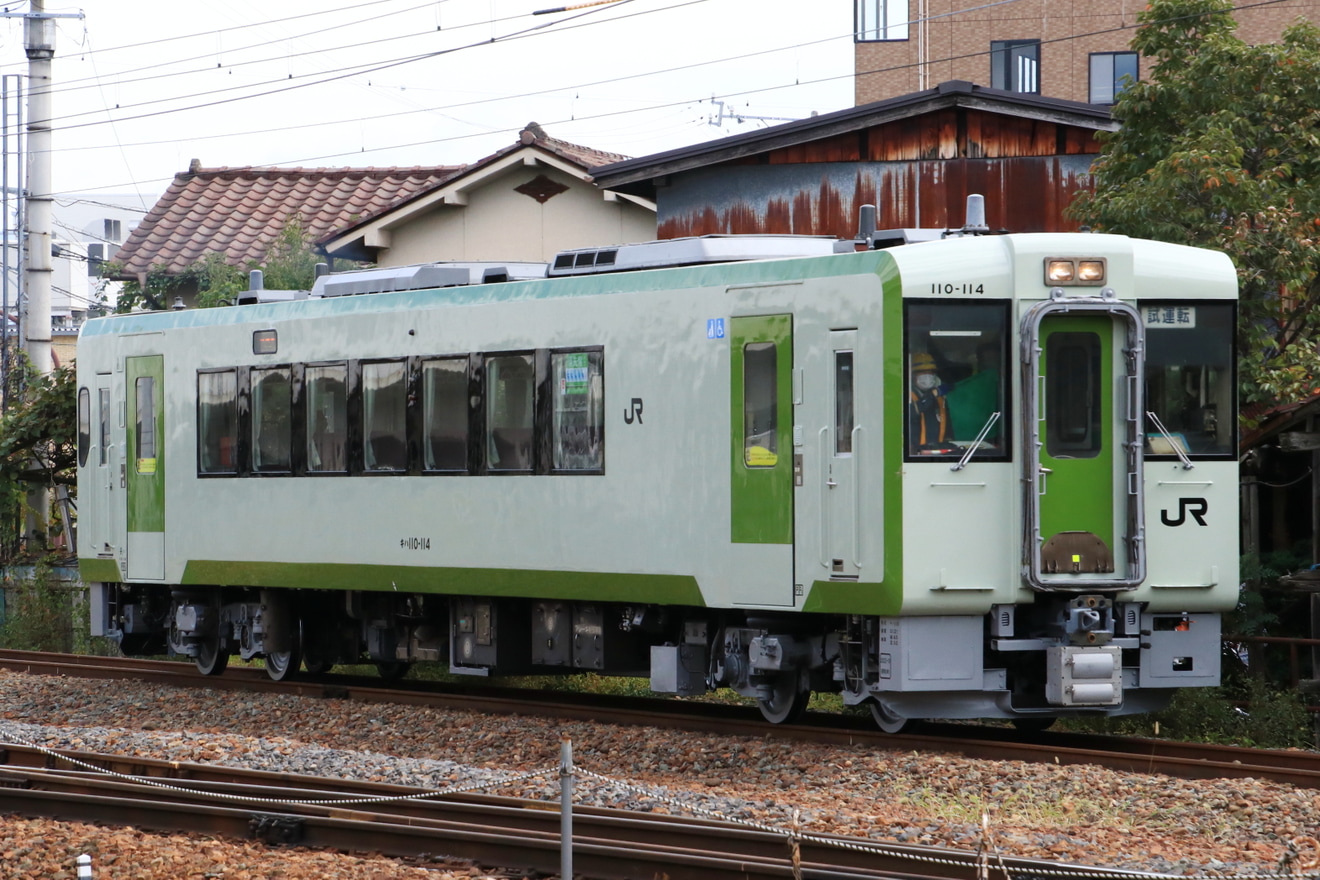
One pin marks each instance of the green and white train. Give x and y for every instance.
(721, 474)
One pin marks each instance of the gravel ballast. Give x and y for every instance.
(1078, 814)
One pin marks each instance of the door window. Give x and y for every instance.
(760, 405)
(145, 427)
(105, 423)
(843, 402)
(1073, 388)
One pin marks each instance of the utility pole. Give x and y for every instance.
(39, 43)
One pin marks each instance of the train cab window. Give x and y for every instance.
(325, 390)
(510, 408)
(84, 425)
(384, 407)
(760, 405)
(445, 414)
(217, 422)
(578, 430)
(1189, 378)
(272, 420)
(957, 367)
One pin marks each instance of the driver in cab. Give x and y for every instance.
(929, 431)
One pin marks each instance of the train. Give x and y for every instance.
(943, 474)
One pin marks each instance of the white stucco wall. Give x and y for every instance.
(499, 223)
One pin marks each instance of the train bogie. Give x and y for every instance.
(984, 476)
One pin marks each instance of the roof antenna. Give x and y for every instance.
(866, 225)
(975, 224)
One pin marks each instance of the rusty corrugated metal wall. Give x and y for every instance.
(918, 172)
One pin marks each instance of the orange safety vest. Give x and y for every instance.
(931, 415)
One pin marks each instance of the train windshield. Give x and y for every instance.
(958, 371)
(1189, 379)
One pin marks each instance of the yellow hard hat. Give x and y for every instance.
(922, 362)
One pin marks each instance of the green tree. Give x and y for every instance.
(1220, 148)
(38, 447)
(290, 264)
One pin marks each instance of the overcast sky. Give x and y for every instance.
(142, 87)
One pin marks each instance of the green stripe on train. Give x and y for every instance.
(660, 589)
(105, 571)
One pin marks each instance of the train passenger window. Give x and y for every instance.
(445, 414)
(105, 424)
(1073, 387)
(84, 425)
(1189, 378)
(957, 360)
(217, 422)
(578, 429)
(760, 405)
(510, 407)
(327, 418)
(145, 429)
(384, 419)
(272, 420)
(843, 402)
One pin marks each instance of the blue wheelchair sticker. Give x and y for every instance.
(715, 328)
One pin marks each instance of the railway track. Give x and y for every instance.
(1129, 754)
(514, 834)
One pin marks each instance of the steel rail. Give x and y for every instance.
(1127, 754)
(506, 832)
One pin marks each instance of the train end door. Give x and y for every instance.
(1082, 401)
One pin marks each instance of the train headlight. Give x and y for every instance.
(1059, 272)
(1074, 272)
(1091, 272)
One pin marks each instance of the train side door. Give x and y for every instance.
(145, 467)
(1084, 474)
(840, 442)
(761, 484)
(100, 532)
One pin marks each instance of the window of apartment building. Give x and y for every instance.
(882, 20)
(1110, 74)
(1015, 65)
(112, 230)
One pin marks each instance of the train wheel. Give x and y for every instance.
(314, 664)
(885, 719)
(788, 702)
(282, 665)
(392, 670)
(212, 658)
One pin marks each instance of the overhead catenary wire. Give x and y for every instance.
(584, 117)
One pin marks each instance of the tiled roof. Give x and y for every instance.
(240, 211)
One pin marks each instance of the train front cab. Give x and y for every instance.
(1112, 513)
